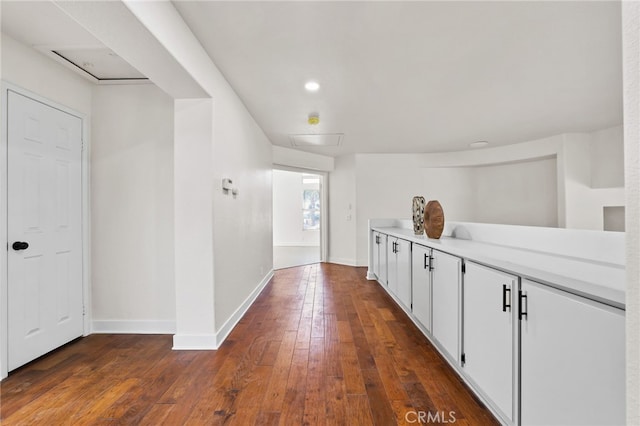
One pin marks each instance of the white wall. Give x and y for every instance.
(132, 209)
(288, 189)
(523, 193)
(584, 205)
(631, 78)
(492, 194)
(242, 225)
(243, 242)
(342, 211)
(300, 159)
(193, 227)
(607, 158)
(387, 192)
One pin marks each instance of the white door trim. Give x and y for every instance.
(86, 217)
(324, 205)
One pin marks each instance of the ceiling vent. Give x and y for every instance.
(98, 64)
(326, 139)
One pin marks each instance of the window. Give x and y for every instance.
(310, 202)
(310, 209)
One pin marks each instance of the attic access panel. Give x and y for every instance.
(326, 139)
(99, 64)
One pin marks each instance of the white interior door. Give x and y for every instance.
(44, 208)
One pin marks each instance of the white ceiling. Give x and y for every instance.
(418, 76)
(44, 26)
(36, 23)
(398, 76)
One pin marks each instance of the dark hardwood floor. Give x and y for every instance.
(321, 345)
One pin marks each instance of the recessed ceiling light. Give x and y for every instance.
(312, 86)
(478, 144)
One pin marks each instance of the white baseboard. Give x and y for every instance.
(133, 327)
(341, 261)
(224, 331)
(182, 341)
(194, 342)
(371, 276)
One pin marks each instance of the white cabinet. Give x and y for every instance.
(572, 359)
(445, 282)
(534, 354)
(399, 269)
(380, 256)
(421, 284)
(489, 333)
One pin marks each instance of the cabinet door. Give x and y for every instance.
(421, 284)
(403, 264)
(375, 251)
(446, 288)
(572, 359)
(382, 253)
(392, 265)
(488, 338)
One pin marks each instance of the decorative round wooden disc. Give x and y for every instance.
(433, 219)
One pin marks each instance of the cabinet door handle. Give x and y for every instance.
(430, 263)
(425, 261)
(506, 300)
(521, 311)
(397, 247)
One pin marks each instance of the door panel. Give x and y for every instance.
(421, 285)
(382, 278)
(376, 254)
(392, 265)
(403, 271)
(32, 301)
(445, 282)
(572, 359)
(488, 332)
(44, 205)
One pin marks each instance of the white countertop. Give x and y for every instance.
(600, 281)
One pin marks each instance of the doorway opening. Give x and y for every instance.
(298, 218)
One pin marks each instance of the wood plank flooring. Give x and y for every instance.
(321, 345)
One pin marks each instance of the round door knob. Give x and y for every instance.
(20, 245)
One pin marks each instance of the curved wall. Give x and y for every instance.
(546, 182)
